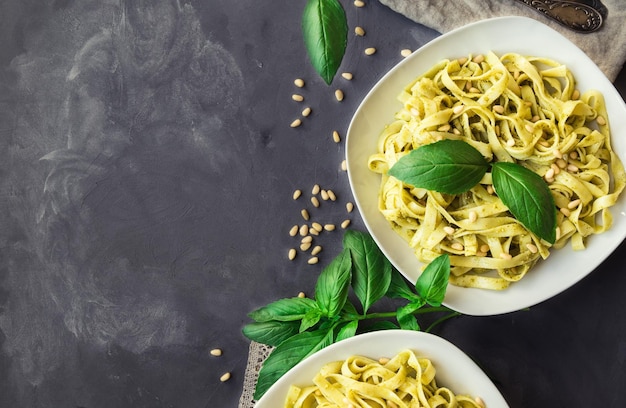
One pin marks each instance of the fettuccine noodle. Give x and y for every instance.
(510, 108)
(406, 381)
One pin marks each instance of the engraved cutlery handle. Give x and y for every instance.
(584, 16)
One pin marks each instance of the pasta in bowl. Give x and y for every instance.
(517, 129)
(447, 374)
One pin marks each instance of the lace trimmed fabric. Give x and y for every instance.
(257, 354)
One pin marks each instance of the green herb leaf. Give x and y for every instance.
(289, 353)
(284, 310)
(383, 325)
(371, 270)
(433, 282)
(310, 319)
(528, 197)
(347, 331)
(398, 288)
(405, 316)
(331, 289)
(325, 32)
(272, 332)
(447, 166)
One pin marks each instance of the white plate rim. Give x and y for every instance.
(521, 34)
(455, 369)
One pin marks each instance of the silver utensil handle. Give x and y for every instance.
(583, 16)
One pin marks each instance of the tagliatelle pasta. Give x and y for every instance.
(510, 108)
(404, 381)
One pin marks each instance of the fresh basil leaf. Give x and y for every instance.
(398, 288)
(447, 166)
(528, 197)
(331, 289)
(310, 319)
(283, 310)
(433, 282)
(382, 325)
(272, 333)
(289, 353)
(405, 316)
(349, 310)
(325, 32)
(371, 270)
(347, 331)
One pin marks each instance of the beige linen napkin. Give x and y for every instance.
(606, 47)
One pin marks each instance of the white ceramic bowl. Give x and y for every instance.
(525, 36)
(455, 369)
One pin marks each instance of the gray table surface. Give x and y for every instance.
(146, 204)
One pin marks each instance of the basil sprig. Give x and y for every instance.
(325, 32)
(298, 327)
(454, 166)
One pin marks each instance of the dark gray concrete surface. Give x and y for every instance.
(146, 179)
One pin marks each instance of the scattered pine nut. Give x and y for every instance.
(307, 240)
(510, 142)
(557, 153)
(225, 377)
(301, 295)
(296, 123)
(344, 165)
(314, 231)
(473, 216)
(490, 189)
(299, 82)
(297, 97)
(573, 154)
(600, 120)
(370, 51)
(347, 75)
(324, 195)
(458, 109)
(383, 360)
(572, 168)
(359, 3)
(479, 58)
(573, 204)
(558, 233)
(561, 163)
(293, 231)
(565, 211)
(535, 119)
(345, 224)
(530, 128)
(339, 95)
(498, 109)
(291, 254)
(329, 227)
(575, 94)
(444, 128)
(315, 202)
(305, 246)
(532, 248)
(480, 402)
(304, 230)
(349, 207)
(506, 256)
(306, 112)
(474, 90)
(316, 189)
(317, 227)
(556, 168)
(313, 260)
(484, 248)
(448, 230)
(305, 214)
(316, 250)
(216, 352)
(406, 52)
(331, 195)
(297, 194)
(480, 253)
(336, 137)
(457, 246)
(549, 174)
(359, 31)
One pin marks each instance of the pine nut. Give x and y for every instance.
(225, 377)
(307, 240)
(316, 189)
(331, 195)
(484, 248)
(510, 142)
(216, 352)
(549, 174)
(383, 360)
(315, 202)
(305, 246)
(473, 216)
(292, 254)
(575, 94)
(565, 211)
(344, 165)
(306, 112)
(301, 295)
(479, 58)
(600, 120)
(349, 207)
(317, 227)
(339, 95)
(296, 123)
(498, 109)
(329, 227)
(532, 248)
(543, 142)
(406, 52)
(293, 231)
(573, 204)
(561, 163)
(305, 214)
(506, 256)
(457, 246)
(557, 153)
(572, 168)
(316, 250)
(529, 128)
(462, 60)
(304, 230)
(480, 402)
(359, 3)
(297, 97)
(448, 230)
(556, 168)
(297, 194)
(558, 232)
(314, 231)
(473, 89)
(370, 51)
(324, 195)
(359, 31)
(444, 128)
(490, 189)
(458, 109)
(313, 260)
(480, 253)
(573, 154)
(346, 75)
(299, 82)
(345, 224)
(336, 137)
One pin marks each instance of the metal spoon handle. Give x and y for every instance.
(583, 16)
